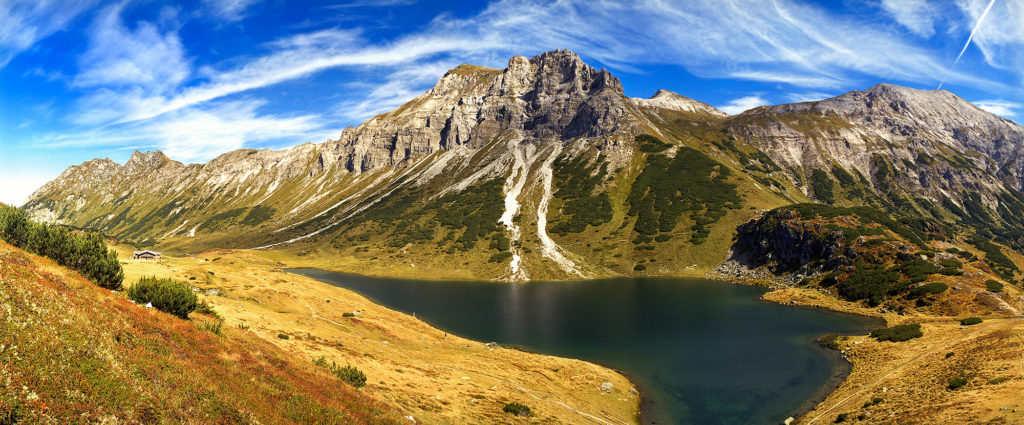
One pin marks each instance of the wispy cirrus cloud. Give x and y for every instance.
(24, 22)
(228, 10)
(918, 16)
(1003, 108)
(1001, 37)
(198, 134)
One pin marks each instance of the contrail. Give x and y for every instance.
(968, 43)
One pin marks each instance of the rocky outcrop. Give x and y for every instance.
(785, 244)
(550, 98)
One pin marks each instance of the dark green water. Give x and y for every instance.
(702, 352)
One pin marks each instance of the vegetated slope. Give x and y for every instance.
(72, 352)
(545, 169)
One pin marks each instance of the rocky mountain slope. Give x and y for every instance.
(545, 169)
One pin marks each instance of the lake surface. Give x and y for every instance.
(701, 352)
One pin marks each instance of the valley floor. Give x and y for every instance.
(432, 376)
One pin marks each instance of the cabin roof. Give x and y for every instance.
(146, 251)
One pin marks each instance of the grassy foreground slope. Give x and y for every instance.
(425, 373)
(71, 352)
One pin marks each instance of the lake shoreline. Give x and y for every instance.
(841, 368)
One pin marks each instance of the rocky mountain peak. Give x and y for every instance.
(143, 162)
(671, 100)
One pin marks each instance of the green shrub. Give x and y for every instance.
(898, 333)
(993, 285)
(348, 314)
(577, 185)
(517, 409)
(166, 295)
(970, 321)
(830, 341)
(352, 375)
(822, 186)
(956, 383)
(997, 381)
(499, 257)
(928, 288)
(213, 326)
(841, 417)
(282, 336)
(639, 267)
(349, 374)
(689, 183)
(84, 252)
(203, 307)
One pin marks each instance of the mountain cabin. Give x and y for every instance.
(146, 255)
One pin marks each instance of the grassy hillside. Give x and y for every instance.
(433, 376)
(72, 352)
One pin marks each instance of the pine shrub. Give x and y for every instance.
(166, 295)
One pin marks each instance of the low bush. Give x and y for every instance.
(499, 257)
(928, 288)
(970, 321)
(517, 409)
(349, 374)
(214, 326)
(639, 267)
(993, 285)
(898, 333)
(956, 383)
(166, 295)
(830, 341)
(203, 307)
(841, 417)
(282, 336)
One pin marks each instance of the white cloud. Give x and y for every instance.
(736, 106)
(919, 16)
(143, 57)
(199, 133)
(228, 10)
(791, 79)
(399, 87)
(808, 97)
(24, 22)
(1003, 108)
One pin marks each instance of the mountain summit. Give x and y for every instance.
(546, 169)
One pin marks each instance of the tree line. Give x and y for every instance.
(82, 251)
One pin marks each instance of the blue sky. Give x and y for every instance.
(87, 79)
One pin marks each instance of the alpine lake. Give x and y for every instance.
(700, 351)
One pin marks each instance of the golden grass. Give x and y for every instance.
(71, 352)
(435, 377)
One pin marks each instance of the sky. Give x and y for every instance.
(91, 79)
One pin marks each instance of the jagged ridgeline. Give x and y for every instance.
(546, 169)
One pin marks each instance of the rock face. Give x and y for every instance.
(550, 98)
(936, 143)
(785, 245)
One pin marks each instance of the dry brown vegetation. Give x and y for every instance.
(432, 376)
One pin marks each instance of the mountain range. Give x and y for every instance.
(547, 170)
